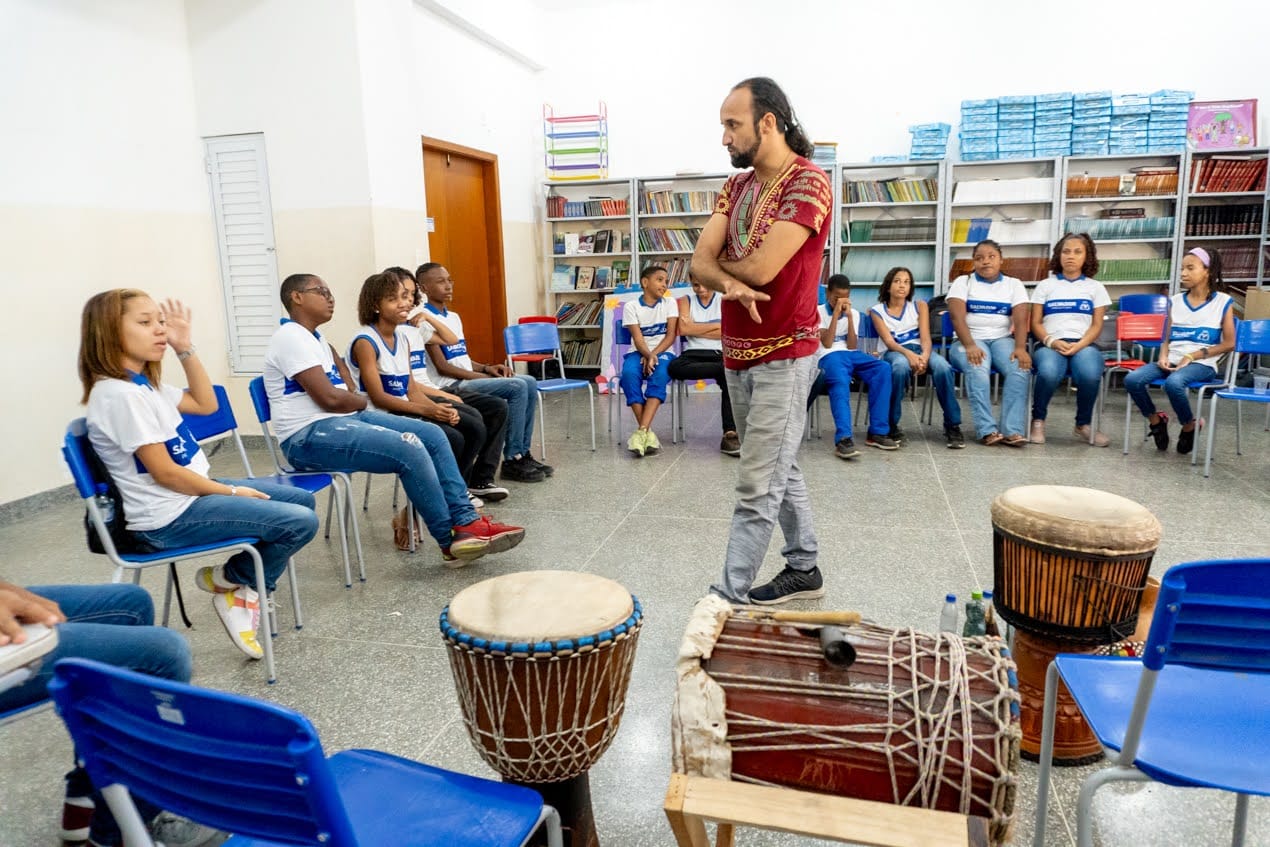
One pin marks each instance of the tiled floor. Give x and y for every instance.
(897, 531)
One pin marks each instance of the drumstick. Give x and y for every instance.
(832, 618)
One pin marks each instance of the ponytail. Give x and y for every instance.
(767, 96)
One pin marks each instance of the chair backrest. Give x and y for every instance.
(260, 399)
(946, 325)
(1144, 304)
(532, 338)
(1213, 615)
(621, 335)
(75, 449)
(222, 760)
(1133, 326)
(218, 423)
(537, 319)
(1253, 336)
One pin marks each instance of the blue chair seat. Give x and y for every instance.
(1248, 395)
(310, 482)
(1194, 734)
(547, 386)
(187, 552)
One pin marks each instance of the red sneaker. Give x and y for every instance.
(481, 536)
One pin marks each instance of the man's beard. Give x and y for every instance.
(745, 158)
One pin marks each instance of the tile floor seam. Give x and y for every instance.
(939, 477)
(586, 565)
(346, 640)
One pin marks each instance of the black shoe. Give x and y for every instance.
(488, 490)
(845, 449)
(731, 444)
(1160, 432)
(1185, 441)
(882, 442)
(518, 470)
(897, 435)
(789, 584)
(547, 470)
(954, 438)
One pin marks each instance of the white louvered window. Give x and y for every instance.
(239, 182)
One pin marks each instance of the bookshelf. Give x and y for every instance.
(1130, 206)
(588, 246)
(1225, 205)
(888, 215)
(1015, 202)
(670, 213)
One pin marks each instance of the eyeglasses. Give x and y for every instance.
(318, 290)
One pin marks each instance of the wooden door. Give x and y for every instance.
(461, 185)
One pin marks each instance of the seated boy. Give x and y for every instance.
(650, 319)
(458, 373)
(839, 360)
(323, 425)
(702, 356)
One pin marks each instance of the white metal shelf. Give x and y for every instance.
(590, 218)
(874, 204)
(645, 215)
(1249, 237)
(887, 244)
(587, 255)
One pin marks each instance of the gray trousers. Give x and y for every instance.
(769, 401)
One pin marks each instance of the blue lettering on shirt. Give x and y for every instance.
(394, 385)
(417, 360)
(290, 386)
(452, 351)
(1207, 335)
(906, 336)
(182, 448)
(988, 307)
(654, 329)
(1068, 307)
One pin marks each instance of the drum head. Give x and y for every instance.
(1075, 518)
(540, 606)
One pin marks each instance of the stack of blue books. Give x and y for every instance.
(1166, 126)
(1016, 126)
(930, 141)
(1129, 116)
(978, 133)
(1091, 123)
(1053, 124)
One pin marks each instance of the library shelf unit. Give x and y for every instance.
(581, 215)
(1226, 205)
(888, 215)
(1129, 205)
(670, 212)
(1015, 202)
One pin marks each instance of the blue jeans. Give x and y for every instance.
(633, 378)
(1175, 383)
(111, 624)
(1085, 368)
(521, 393)
(770, 488)
(938, 370)
(284, 523)
(978, 380)
(377, 442)
(838, 368)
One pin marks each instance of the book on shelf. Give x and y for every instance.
(668, 201)
(571, 242)
(595, 207)
(1220, 174)
(601, 279)
(586, 242)
(1234, 219)
(562, 277)
(1124, 212)
(1141, 182)
(893, 190)
(891, 229)
(585, 313)
(668, 239)
(586, 277)
(603, 237)
(676, 270)
(581, 352)
(557, 244)
(621, 273)
(626, 242)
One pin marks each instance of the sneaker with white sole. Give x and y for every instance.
(175, 831)
(212, 580)
(481, 536)
(788, 585)
(651, 442)
(489, 490)
(637, 443)
(239, 611)
(477, 502)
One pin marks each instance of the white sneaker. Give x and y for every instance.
(212, 580)
(239, 611)
(476, 502)
(175, 831)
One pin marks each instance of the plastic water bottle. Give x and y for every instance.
(948, 616)
(974, 616)
(105, 505)
(989, 616)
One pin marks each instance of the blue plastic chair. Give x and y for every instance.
(1252, 338)
(257, 769)
(544, 338)
(1194, 710)
(223, 422)
(264, 414)
(75, 449)
(1144, 304)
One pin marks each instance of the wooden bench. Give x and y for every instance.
(691, 800)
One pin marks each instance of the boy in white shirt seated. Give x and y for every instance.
(650, 319)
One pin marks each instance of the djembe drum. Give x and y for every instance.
(917, 719)
(541, 662)
(1070, 565)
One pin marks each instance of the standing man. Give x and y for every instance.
(762, 250)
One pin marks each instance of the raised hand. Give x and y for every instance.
(176, 315)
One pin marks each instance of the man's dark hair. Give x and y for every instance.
(295, 282)
(767, 96)
(424, 268)
(838, 281)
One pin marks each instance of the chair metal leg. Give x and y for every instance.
(126, 815)
(1048, 719)
(366, 496)
(550, 819)
(1241, 820)
(1128, 409)
(265, 637)
(167, 592)
(542, 424)
(1085, 801)
(352, 518)
(590, 407)
(295, 593)
(327, 533)
(1239, 428)
(1212, 430)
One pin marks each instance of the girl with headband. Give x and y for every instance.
(1200, 329)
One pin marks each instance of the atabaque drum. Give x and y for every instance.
(541, 662)
(928, 720)
(1071, 563)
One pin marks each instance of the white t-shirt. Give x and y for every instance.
(126, 415)
(839, 332)
(988, 304)
(1191, 329)
(1067, 305)
(904, 329)
(711, 313)
(651, 320)
(394, 365)
(421, 367)
(291, 350)
(455, 354)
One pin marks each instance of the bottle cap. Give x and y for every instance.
(951, 598)
(987, 595)
(101, 488)
(976, 595)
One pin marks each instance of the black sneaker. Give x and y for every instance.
(488, 490)
(518, 470)
(882, 442)
(789, 584)
(731, 444)
(1185, 441)
(1160, 432)
(845, 449)
(954, 438)
(897, 435)
(547, 470)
